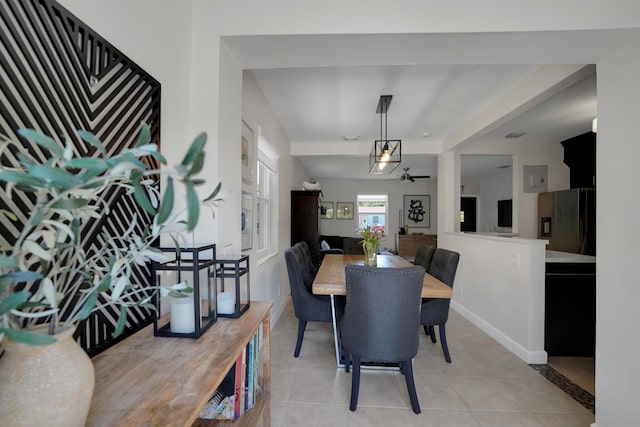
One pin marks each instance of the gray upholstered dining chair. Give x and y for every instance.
(435, 311)
(306, 305)
(424, 255)
(381, 321)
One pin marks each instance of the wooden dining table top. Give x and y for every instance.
(331, 280)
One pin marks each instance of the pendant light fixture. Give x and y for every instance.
(386, 153)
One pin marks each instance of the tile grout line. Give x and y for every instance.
(578, 394)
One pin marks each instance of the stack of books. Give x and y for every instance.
(238, 391)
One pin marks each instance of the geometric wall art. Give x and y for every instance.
(57, 76)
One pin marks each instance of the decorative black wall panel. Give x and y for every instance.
(57, 76)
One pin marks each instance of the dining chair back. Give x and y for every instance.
(424, 255)
(311, 267)
(307, 306)
(435, 311)
(381, 321)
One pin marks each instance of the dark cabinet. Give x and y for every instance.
(305, 220)
(580, 156)
(570, 309)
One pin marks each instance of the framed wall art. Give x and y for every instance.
(246, 224)
(248, 154)
(344, 210)
(417, 211)
(326, 210)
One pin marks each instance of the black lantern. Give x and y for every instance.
(235, 299)
(191, 316)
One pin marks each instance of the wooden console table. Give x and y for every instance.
(408, 243)
(157, 381)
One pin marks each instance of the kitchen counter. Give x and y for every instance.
(555, 256)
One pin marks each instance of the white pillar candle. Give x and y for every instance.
(226, 302)
(182, 316)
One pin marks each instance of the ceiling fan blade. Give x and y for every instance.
(420, 176)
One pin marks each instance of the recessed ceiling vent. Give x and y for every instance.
(514, 135)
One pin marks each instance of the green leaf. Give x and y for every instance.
(198, 162)
(167, 202)
(93, 140)
(7, 262)
(5, 283)
(95, 165)
(25, 276)
(8, 214)
(193, 206)
(88, 306)
(145, 135)
(37, 250)
(55, 176)
(196, 147)
(70, 204)
(215, 192)
(176, 244)
(142, 198)
(14, 300)
(20, 335)
(43, 141)
(159, 157)
(21, 178)
(122, 320)
(103, 286)
(149, 306)
(198, 181)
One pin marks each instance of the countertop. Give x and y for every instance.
(555, 256)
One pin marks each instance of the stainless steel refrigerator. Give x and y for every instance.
(568, 220)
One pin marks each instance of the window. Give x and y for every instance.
(267, 200)
(372, 211)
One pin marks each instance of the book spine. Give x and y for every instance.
(250, 373)
(238, 395)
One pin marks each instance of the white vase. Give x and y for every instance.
(45, 385)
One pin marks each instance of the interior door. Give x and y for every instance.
(468, 213)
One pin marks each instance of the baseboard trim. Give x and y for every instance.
(531, 357)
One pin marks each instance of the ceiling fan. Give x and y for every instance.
(406, 177)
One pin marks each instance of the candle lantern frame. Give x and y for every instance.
(234, 267)
(188, 262)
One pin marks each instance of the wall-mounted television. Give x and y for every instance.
(505, 213)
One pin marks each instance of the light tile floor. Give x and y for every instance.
(485, 386)
(580, 370)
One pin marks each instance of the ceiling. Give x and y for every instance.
(324, 91)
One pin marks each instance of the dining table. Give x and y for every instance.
(331, 280)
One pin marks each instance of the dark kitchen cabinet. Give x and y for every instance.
(570, 309)
(305, 220)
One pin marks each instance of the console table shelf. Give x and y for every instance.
(159, 381)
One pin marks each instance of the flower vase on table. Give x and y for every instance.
(370, 253)
(371, 244)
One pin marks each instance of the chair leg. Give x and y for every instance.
(302, 324)
(432, 333)
(411, 387)
(426, 330)
(345, 355)
(443, 342)
(355, 383)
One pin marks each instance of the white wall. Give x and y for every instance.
(269, 279)
(506, 300)
(617, 237)
(346, 190)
